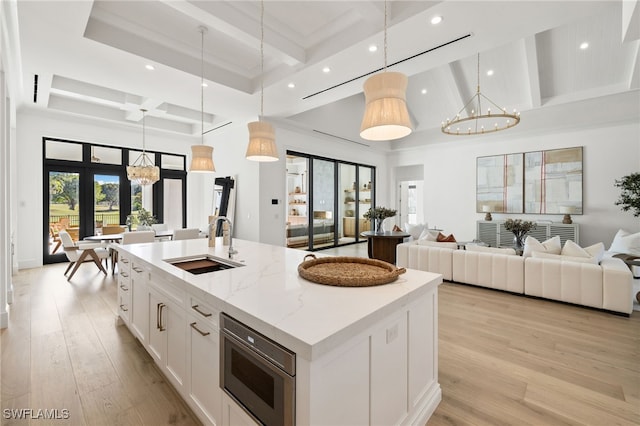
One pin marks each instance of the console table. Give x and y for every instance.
(382, 245)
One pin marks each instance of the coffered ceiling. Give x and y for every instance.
(90, 58)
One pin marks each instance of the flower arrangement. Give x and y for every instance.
(519, 227)
(379, 213)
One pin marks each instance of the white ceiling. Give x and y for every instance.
(90, 58)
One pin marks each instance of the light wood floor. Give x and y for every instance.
(504, 359)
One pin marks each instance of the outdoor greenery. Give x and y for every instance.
(63, 189)
(379, 213)
(630, 193)
(519, 227)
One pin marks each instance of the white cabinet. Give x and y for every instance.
(124, 289)
(233, 414)
(139, 293)
(495, 234)
(167, 335)
(203, 362)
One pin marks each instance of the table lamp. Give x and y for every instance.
(487, 210)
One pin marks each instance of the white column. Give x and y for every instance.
(5, 214)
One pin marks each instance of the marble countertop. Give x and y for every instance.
(268, 295)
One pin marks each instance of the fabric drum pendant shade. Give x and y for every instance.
(386, 116)
(262, 142)
(202, 159)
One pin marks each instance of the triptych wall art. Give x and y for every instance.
(539, 182)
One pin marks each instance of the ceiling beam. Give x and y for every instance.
(531, 54)
(228, 20)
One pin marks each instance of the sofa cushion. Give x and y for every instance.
(415, 229)
(429, 235)
(564, 258)
(447, 245)
(483, 249)
(595, 251)
(626, 242)
(445, 238)
(552, 245)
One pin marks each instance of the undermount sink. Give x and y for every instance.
(202, 264)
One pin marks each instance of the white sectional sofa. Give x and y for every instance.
(498, 270)
(428, 256)
(607, 285)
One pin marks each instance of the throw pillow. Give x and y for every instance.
(483, 249)
(596, 250)
(572, 249)
(625, 242)
(429, 235)
(531, 244)
(445, 239)
(414, 229)
(545, 255)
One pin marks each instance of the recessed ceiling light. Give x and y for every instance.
(291, 85)
(436, 20)
(423, 91)
(584, 45)
(490, 73)
(205, 85)
(326, 70)
(150, 67)
(373, 48)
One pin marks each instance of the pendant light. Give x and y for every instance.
(142, 171)
(202, 155)
(385, 116)
(262, 135)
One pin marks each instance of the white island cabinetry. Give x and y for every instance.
(363, 355)
(168, 329)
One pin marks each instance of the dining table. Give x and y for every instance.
(111, 238)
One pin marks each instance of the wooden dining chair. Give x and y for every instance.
(80, 252)
(136, 237)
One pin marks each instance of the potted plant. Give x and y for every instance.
(520, 228)
(629, 194)
(145, 220)
(378, 215)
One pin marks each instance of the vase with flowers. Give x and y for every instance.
(520, 228)
(378, 215)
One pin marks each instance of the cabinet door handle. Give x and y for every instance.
(123, 260)
(124, 274)
(204, 314)
(202, 333)
(123, 308)
(137, 269)
(160, 309)
(124, 288)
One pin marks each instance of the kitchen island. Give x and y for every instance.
(362, 355)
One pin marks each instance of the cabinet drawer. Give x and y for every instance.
(124, 263)
(203, 311)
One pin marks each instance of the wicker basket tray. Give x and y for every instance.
(343, 271)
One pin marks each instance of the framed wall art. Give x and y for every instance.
(499, 184)
(553, 181)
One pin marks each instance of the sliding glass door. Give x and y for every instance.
(326, 201)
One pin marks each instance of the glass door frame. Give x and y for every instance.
(337, 197)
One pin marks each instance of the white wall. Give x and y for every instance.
(610, 152)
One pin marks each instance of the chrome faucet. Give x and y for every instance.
(223, 219)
